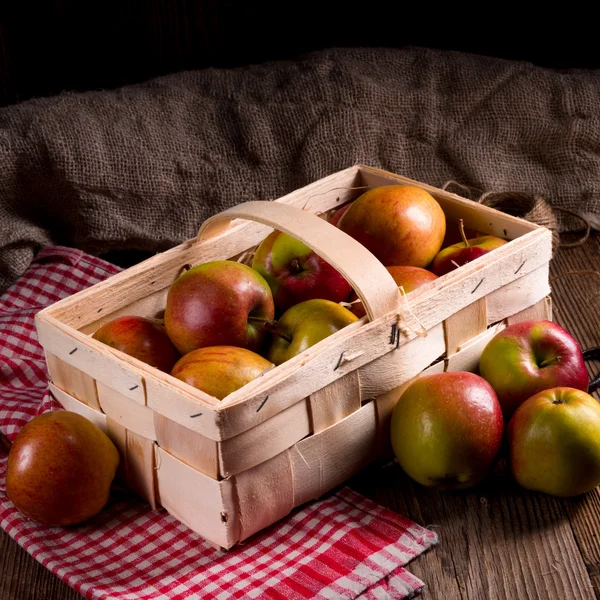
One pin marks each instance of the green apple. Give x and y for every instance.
(304, 325)
(554, 442)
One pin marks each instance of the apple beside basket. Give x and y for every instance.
(229, 468)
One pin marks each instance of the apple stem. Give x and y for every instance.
(554, 360)
(5, 444)
(270, 325)
(296, 265)
(461, 228)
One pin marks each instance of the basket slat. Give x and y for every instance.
(465, 325)
(68, 402)
(72, 380)
(334, 402)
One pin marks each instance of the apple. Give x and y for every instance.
(528, 357)
(554, 442)
(460, 254)
(336, 215)
(220, 370)
(142, 338)
(60, 469)
(399, 224)
(410, 278)
(446, 430)
(218, 303)
(296, 273)
(304, 325)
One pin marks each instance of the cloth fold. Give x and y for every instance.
(342, 546)
(142, 166)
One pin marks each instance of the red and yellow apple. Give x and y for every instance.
(446, 430)
(220, 370)
(142, 338)
(60, 469)
(218, 303)
(399, 224)
(464, 252)
(296, 273)
(554, 442)
(531, 356)
(335, 216)
(410, 278)
(304, 325)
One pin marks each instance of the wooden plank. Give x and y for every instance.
(68, 402)
(73, 381)
(519, 294)
(334, 402)
(576, 308)
(128, 413)
(118, 434)
(467, 357)
(464, 325)
(265, 494)
(203, 504)
(97, 360)
(325, 460)
(540, 310)
(141, 467)
(160, 271)
(496, 542)
(188, 446)
(264, 441)
(396, 367)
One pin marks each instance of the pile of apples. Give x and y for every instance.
(226, 323)
(448, 429)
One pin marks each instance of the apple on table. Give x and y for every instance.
(529, 357)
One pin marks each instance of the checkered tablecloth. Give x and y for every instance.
(343, 546)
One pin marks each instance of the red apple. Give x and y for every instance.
(399, 224)
(447, 430)
(554, 442)
(410, 278)
(220, 370)
(295, 273)
(60, 469)
(531, 356)
(464, 252)
(304, 325)
(219, 303)
(335, 217)
(141, 338)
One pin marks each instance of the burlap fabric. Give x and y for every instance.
(142, 166)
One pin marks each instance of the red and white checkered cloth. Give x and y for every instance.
(343, 546)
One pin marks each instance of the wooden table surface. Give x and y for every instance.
(497, 541)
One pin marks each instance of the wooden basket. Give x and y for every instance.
(230, 468)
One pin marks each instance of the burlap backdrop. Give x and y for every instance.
(142, 166)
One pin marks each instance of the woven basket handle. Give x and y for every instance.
(369, 278)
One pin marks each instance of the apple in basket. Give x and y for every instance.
(218, 303)
(336, 215)
(142, 338)
(531, 356)
(446, 430)
(554, 442)
(60, 469)
(304, 325)
(399, 224)
(410, 278)
(296, 273)
(460, 254)
(220, 370)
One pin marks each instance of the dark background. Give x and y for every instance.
(47, 47)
